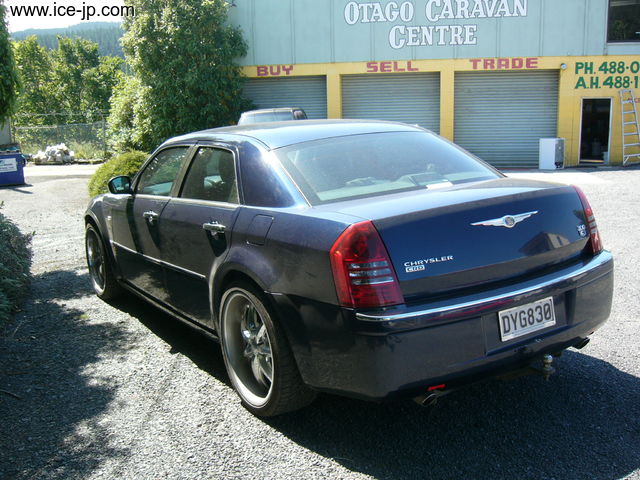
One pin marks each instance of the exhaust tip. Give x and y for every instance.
(582, 343)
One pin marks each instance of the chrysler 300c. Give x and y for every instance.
(368, 259)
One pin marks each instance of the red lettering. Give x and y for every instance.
(503, 63)
(372, 67)
(396, 68)
(410, 68)
(517, 63)
(532, 63)
(385, 66)
(475, 62)
(489, 64)
(263, 71)
(274, 70)
(287, 69)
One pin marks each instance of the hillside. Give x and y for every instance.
(105, 34)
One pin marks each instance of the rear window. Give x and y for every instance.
(359, 166)
(267, 117)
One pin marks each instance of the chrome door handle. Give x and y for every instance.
(150, 217)
(214, 227)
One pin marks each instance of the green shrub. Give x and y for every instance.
(124, 164)
(15, 264)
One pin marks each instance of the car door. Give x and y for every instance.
(196, 228)
(136, 233)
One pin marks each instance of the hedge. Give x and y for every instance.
(124, 164)
(15, 267)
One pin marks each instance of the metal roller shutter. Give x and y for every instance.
(501, 117)
(308, 93)
(410, 98)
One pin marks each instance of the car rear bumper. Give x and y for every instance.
(404, 350)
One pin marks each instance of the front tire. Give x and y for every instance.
(102, 278)
(257, 355)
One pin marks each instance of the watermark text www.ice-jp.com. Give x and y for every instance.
(86, 12)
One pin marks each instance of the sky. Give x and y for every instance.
(60, 13)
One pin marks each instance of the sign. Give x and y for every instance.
(406, 34)
(8, 165)
(391, 67)
(610, 74)
(274, 70)
(504, 63)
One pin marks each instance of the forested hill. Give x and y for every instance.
(105, 34)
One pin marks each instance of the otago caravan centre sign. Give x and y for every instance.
(435, 11)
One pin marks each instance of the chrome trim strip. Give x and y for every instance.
(159, 262)
(599, 261)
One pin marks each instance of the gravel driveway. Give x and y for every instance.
(121, 391)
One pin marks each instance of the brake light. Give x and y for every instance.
(594, 236)
(362, 269)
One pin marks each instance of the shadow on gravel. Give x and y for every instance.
(582, 423)
(200, 349)
(51, 426)
(19, 188)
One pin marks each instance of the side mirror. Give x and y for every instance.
(120, 185)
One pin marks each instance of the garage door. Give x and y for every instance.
(410, 98)
(308, 93)
(501, 117)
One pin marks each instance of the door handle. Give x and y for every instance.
(214, 227)
(150, 217)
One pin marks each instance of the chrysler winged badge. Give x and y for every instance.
(508, 221)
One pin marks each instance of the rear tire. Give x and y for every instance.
(257, 355)
(102, 278)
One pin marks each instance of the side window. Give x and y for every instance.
(160, 174)
(212, 176)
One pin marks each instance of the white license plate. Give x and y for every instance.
(525, 319)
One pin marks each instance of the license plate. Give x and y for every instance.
(525, 319)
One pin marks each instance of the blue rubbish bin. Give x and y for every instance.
(11, 169)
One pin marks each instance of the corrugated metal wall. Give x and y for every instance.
(410, 98)
(501, 117)
(308, 93)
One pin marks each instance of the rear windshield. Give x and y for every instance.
(358, 166)
(267, 117)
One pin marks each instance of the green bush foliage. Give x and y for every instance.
(15, 265)
(124, 164)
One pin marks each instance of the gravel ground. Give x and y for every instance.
(120, 390)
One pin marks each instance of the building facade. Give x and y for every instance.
(495, 76)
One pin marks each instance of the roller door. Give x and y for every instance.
(308, 93)
(410, 98)
(501, 117)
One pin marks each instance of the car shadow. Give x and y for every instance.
(18, 188)
(571, 426)
(201, 349)
(49, 407)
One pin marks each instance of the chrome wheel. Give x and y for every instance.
(247, 346)
(96, 261)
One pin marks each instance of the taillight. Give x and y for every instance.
(592, 227)
(362, 269)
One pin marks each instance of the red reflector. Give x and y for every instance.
(592, 227)
(436, 387)
(362, 269)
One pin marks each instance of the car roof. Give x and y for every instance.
(280, 134)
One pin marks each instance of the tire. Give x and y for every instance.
(257, 355)
(102, 279)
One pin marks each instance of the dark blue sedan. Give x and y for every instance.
(369, 259)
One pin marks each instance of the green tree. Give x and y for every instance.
(74, 78)
(38, 93)
(84, 80)
(8, 71)
(183, 54)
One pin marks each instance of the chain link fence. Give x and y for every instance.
(84, 134)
